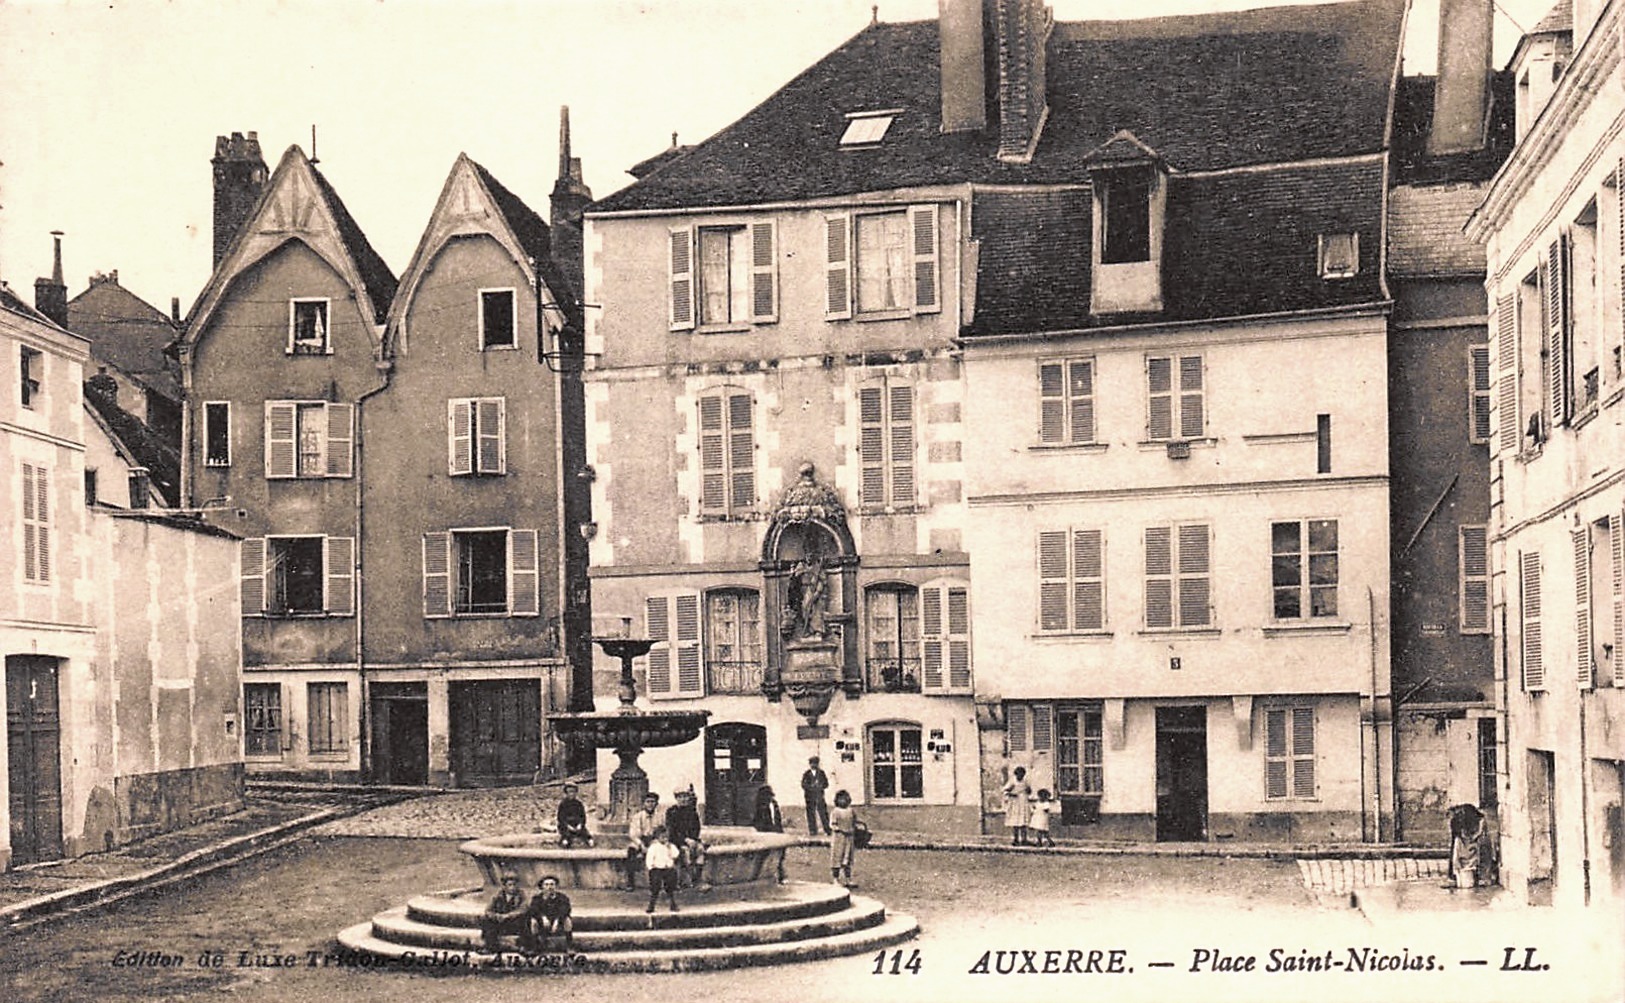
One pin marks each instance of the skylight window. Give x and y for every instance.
(867, 128)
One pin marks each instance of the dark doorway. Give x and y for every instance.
(1542, 802)
(400, 733)
(34, 759)
(496, 731)
(1181, 774)
(735, 770)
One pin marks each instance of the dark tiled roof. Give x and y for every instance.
(127, 333)
(17, 305)
(1210, 91)
(163, 463)
(375, 275)
(1413, 120)
(1234, 245)
(532, 234)
(1559, 18)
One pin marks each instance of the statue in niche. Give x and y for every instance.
(806, 600)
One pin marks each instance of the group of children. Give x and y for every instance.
(1025, 816)
(544, 916)
(666, 847)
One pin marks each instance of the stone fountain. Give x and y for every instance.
(748, 918)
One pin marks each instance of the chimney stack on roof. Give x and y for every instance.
(569, 200)
(51, 295)
(960, 30)
(239, 177)
(1021, 38)
(1461, 94)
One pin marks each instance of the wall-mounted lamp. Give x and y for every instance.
(588, 530)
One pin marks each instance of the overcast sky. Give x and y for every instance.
(108, 110)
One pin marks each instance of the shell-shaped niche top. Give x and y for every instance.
(809, 500)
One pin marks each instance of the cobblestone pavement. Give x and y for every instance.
(463, 814)
(1341, 876)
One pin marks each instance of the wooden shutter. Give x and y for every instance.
(681, 262)
(490, 428)
(1052, 580)
(1534, 669)
(1506, 350)
(436, 574)
(1619, 231)
(1159, 373)
(1616, 534)
(900, 433)
(1303, 752)
(1193, 576)
(281, 435)
(1080, 392)
(1473, 553)
(713, 456)
(1557, 329)
(1190, 397)
(690, 680)
(764, 273)
(1015, 726)
(36, 523)
(657, 625)
(741, 453)
(872, 445)
(1159, 581)
(253, 577)
(1582, 606)
(838, 267)
(958, 639)
(339, 560)
(459, 437)
(1052, 402)
(1088, 580)
(1043, 728)
(923, 220)
(524, 576)
(1275, 754)
(933, 629)
(1478, 410)
(340, 440)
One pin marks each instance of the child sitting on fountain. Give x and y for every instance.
(506, 915)
(662, 858)
(683, 824)
(572, 819)
(549, 914)
(640, 830)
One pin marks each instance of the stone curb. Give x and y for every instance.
(1351, 851)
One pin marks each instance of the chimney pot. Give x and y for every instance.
(1461, 93)
(962, 65)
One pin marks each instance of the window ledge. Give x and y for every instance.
(503, 615)
(739, 328)
(294, 615)
(1585, 417)
(1289, 628)
(1180, 632)
(872, 510)
(1205, 442)
(330, 757)
(1064, 636)
(902, 314)
(1614, 396)
(499, 348)
(216, 464)
(710, 517)
(263, 757)
(1068, 447)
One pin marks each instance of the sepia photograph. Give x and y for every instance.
(894, 500)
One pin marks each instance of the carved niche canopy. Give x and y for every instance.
(807, 503)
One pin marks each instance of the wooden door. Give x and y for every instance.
(34, 759)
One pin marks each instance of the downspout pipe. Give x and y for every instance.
(1376, 729)
(384, 369)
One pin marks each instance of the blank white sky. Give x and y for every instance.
(108, 110)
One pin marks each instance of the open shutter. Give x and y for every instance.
(1190, 397)
(713, 456)
(933, 630)
(1557, 329)
(281, 432)
(1088, 580)
(690, 680)
(923, 220)
(524, 586)
(900, 429)
(339, 557)
(1506, 350)
(958, 639)
(657, 625)
(1015, 726)
(741, 453)
(42, 530)
(1475, 580)
(490, 427)
(436, 574)
(1193, 576)
(1043, 728)
(1275, 754)
(1159, 581)
(764, 273)
(1582, 606)
(1159, 374)
(1478, 413)
(1052, 581)
(1303, 752)
(253, 577)
(838, 267)
(682, 279)
(1534, 668)
(1616, 533)
(30, 545)
(340, 440)
(1080, 387)
(459, 437)
(872, 445)
(1051, 403)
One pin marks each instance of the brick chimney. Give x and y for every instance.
(569, 199)
(239, 177)
(1461, 95)
(960, 31)
(51, 295)
(1021, 30)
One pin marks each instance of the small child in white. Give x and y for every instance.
(1042, 810)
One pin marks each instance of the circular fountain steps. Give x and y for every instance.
(798, 921)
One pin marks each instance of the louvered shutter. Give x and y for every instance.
(1160, 389)
(1043, 728)
(1479, 407)
(933, 628)
(838, 267)
(30, 526)
(459, 437)
(1557, 329)
(690, 680)
(1088, 572)
(1619, 230)
(340, 563)
(1506, 336)
(436, 574)
(1159, 582)
(1081, 393)
(42, 513)
(923, 220)
(958, 639)
(657, 623)
(1193, 576)
(1052, 580)
(1303, 752)
(681, 271)
(281, 433)
(1275, 754)
(1475, 579)
(764, 273)
(1582, 606)
(524, 585)
(1534, 668)
(1015, 726)
(713, 456)
(872, 445)
(1051, 402)
(1616, 534)
(340, 440)
(900, 432)
(741, 453)
(253, 577)
(1190, 397)
(490, 426)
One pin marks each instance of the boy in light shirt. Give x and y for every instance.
(661, 858)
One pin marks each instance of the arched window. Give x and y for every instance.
(896, 762)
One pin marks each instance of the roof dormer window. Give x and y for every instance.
(1339, 255)
(867, 128)
(1125, 197)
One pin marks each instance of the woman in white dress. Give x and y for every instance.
(1017, 807)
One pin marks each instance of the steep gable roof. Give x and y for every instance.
(126, 332)
(134, 440)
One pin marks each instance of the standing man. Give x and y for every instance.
(813, 785)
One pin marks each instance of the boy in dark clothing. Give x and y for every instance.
(813, 785)
(549, 914)
(769, 818)
(506, 915)
(683, 826)
(573, 819)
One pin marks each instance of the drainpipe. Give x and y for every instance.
(1585, 809)
(1376, 732)
(367, 772)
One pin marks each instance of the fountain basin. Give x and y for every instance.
(625, 728)
(734, 856)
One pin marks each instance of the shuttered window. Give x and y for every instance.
(1582, 606)
(1177, 583)
(673, 663)
(1071, 580)
(309, 439)
(1079, 750)
(1066, 401)
(298, 576)
(886, 444)
(1558, 364)
(724, 276)
(727, 453)
(262, 719)
(1506, 351)
(884, 262)
(481, 572)
(476, 436)
(36, 492)
(1616, 537)
(945, 638)
(1534, 666)
(680, 268)
(1176, 392)
(1474, 567)
(1479, 424)
(328, 712)
(1289, 753)
(1015, 727)
(339, 565)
